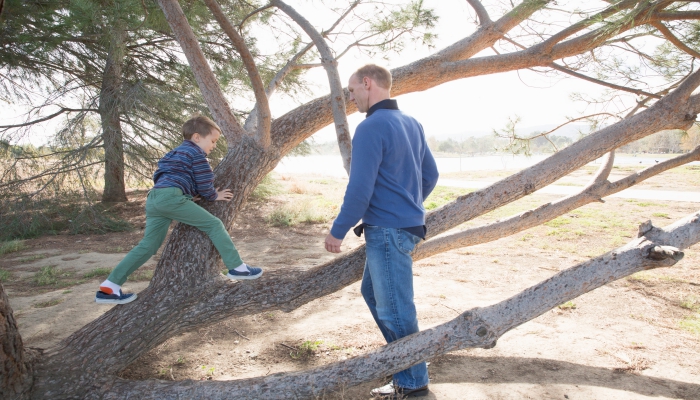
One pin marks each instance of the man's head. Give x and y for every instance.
(369, 85)
(202, 131)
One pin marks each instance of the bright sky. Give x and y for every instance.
(468, 105)
(474, 104)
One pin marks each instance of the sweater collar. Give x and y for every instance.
(387, 104)
(192, 144)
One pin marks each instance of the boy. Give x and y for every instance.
(183, 176)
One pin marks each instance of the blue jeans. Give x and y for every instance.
(387, 287)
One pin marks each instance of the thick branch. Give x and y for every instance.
(673, 39)
(262, 106)
(478, 327)
(481, 12)
(206, 80)
(331, 66)
(595, 191)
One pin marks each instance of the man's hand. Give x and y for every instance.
(333, 244)
(224, 195)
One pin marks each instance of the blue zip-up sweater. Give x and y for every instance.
(186, 167)
(392, 172)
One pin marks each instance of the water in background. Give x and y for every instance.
(332, 165)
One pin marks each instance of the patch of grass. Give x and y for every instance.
(691, 324)
(33, 258)
(48, 303)
(47, 275)
(527, 237)
(72, 212)
(660, 215)
(267, 188)
(11, 246)
(5, 275)
(310, 211)
(97, 273)
(690, 303)
(557, 222)
(569, 305)
(306, 349)
(142, 275)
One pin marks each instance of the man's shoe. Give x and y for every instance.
(389, 391)
(251, 273)
(120, 298)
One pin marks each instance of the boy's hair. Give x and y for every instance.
(378, 74)
(198, 124)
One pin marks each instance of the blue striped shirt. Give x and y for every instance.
(186, 167)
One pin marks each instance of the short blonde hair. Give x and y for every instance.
(199, 124)
(376, 73)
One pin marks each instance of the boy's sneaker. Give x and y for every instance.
(251, 273)
(121, 298)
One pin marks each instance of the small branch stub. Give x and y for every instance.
(664, 252)
(644, 227)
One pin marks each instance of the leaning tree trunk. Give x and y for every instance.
(16, 368)
(109, 109)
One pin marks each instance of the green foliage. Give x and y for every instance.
(5, 275)
(267, 187)
(48, 303)
(310, 211)
(48, 275)
(11, 246)
(28, 217)
(306, 349)
(97, 273)
(691, 324)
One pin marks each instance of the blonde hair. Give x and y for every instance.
(378, 74)
(199, 124)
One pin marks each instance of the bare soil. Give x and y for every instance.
(636, 338)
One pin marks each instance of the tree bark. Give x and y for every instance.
(15, 363)
(109, 109)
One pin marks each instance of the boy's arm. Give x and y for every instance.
(203, 177)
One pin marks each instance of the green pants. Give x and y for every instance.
(163, 206)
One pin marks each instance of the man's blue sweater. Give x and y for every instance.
(392, 172)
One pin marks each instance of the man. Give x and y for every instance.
(391, 174)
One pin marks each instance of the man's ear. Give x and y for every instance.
(366, 82)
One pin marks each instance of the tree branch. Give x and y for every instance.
(476, 328)
(62, 110)
(262, 106)
(337, 94)
(481, 12)
(211, 91)
(594, 191)
(673, 39)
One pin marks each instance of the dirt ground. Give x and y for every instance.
(635, 338)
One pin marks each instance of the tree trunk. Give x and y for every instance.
(110, 92)
(16, 363)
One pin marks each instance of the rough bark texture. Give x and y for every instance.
(15, 363)
(115, 189)
(84, 365)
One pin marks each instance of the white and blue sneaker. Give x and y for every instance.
(251, 273)
(121, 298)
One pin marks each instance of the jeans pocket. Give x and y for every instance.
(407, 241)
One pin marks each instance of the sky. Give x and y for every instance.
(478, 104)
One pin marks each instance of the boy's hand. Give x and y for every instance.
(196, 198)
(224, 195)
